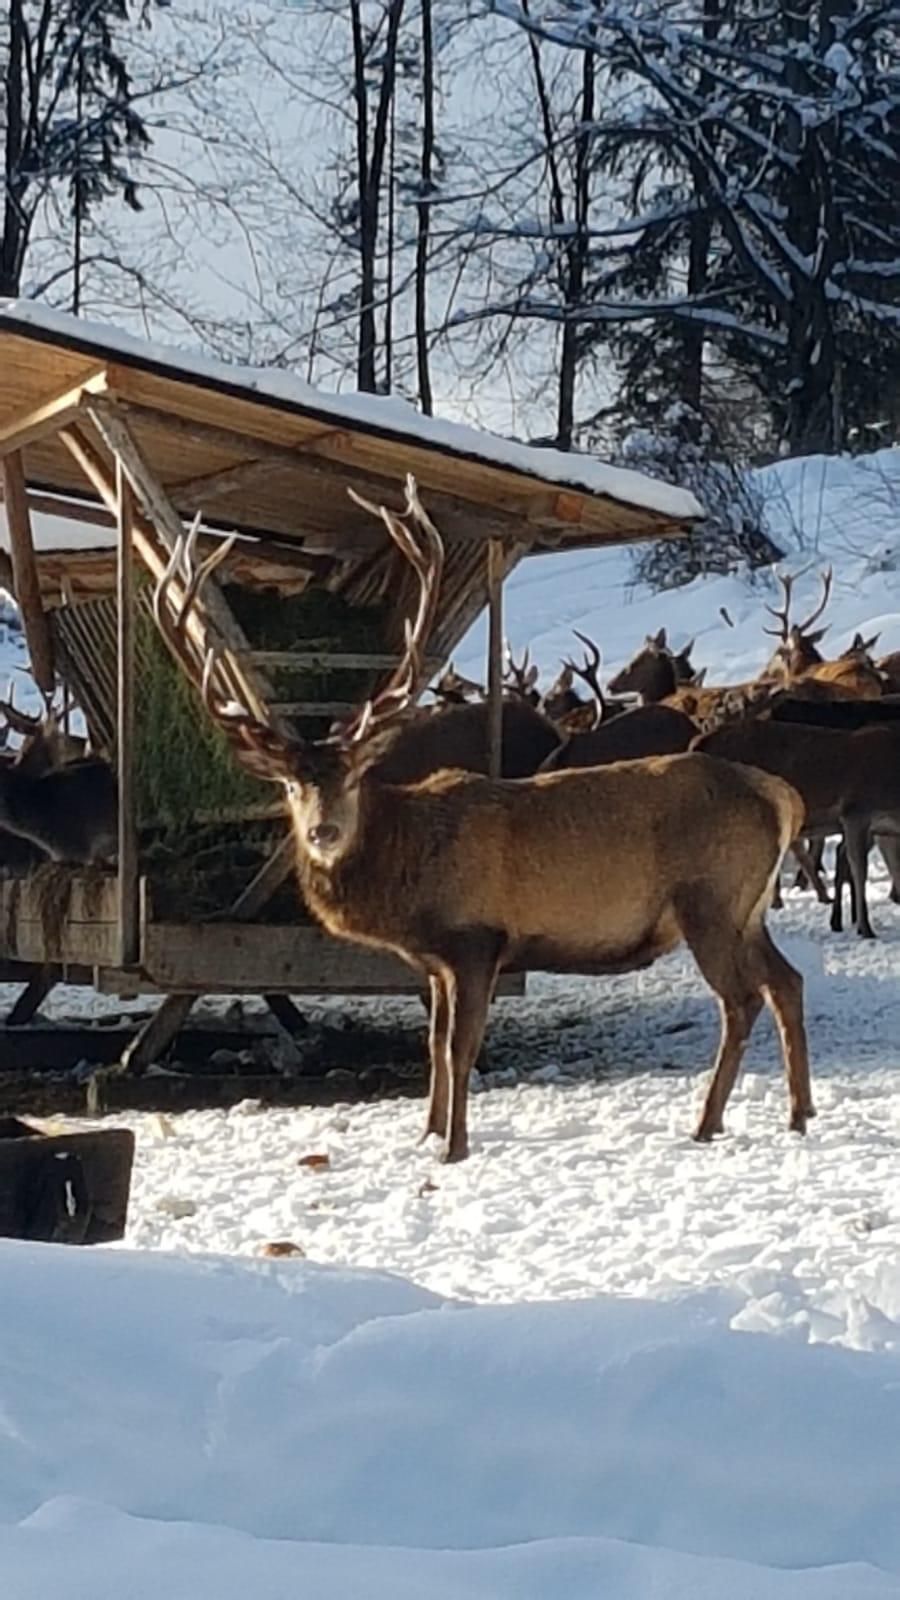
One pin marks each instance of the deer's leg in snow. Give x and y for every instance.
(856, 841)
(783, 991)
(471, 988)
(439, 1053)
(721, 953)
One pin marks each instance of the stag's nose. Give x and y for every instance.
(325, 833)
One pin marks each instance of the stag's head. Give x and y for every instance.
(797, 649)
(562, 703)
(322, 779)
(650, 673)
(454, 689)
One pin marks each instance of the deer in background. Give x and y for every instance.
(797, 657)
(849, 780)
(53, 795)
(597, 870)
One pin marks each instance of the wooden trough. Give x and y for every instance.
(124, 443)
(64, 1188)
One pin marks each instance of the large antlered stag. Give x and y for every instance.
(595, 871)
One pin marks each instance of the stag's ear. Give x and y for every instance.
(700, 677)
(817, 637)
(531, 677)
(687, 648)
(659, 639)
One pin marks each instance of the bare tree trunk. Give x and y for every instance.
(370, 167)
(576, 259)
(426, 172)
(12, 242)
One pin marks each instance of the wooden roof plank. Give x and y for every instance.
(50, 415)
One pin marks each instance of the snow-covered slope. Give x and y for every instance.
(203, 1427)
(821, 510)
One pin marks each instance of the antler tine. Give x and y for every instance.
(172, 613)
(827, 576)
(426, 557)
(19, 721)
(782, 617)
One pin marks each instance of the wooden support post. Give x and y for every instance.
(25, 573)
(33, 995)
(128, 864)
(495, 657)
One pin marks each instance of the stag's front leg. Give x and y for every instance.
(439, 1055)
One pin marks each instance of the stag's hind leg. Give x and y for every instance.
(470, 988)
(721, 953)
(439, 1055)
(783, 993)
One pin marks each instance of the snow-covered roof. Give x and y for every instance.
(388, 417)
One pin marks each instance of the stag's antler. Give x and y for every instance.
(416, 536)
(254, 735)
(589, 671)
(520, 674)
(783, 617)
(797, 630)
(804, 627)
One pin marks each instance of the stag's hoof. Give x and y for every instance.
(799, 1119)
(457, 1152)
(704, 1132)
(431, 1132)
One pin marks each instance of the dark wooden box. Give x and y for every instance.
(64, 1188)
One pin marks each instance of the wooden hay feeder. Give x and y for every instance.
(126, 443)
(64, 1188)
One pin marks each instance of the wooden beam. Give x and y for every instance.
(248, 685)
(51, 416)
(313, 708)
(193, 493)
(333, 660)
(26, 583)
(128, 849)
(267, 882)
(495, 658)
(68, 509)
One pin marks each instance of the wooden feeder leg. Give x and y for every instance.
(495, 658)
(25, 574)
(286, 1012)
(33, 995)
(128, 864)
(154, 1038)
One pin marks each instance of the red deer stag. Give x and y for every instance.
(599, 870)
(52, 796)
(797, 658)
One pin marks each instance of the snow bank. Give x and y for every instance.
(196, 1427)
(386, 414)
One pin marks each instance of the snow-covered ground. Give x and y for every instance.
(218, 1428)
(610, 1362)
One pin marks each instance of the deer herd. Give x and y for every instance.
(627, 820)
